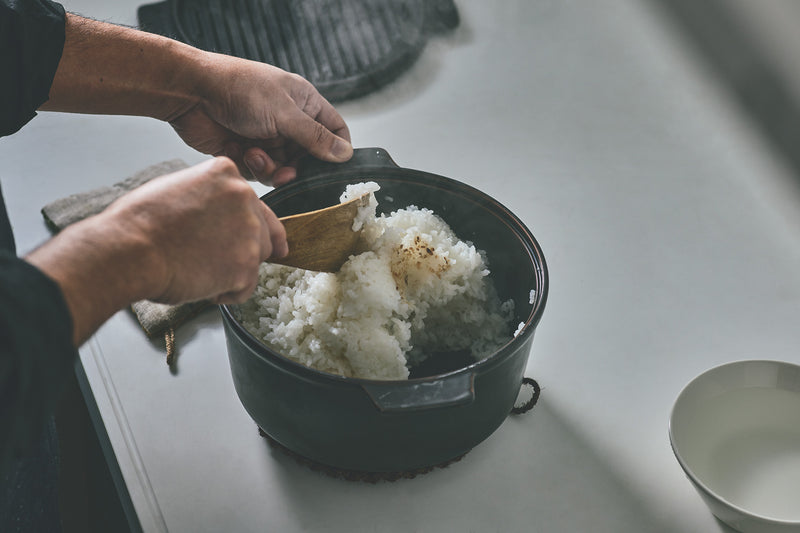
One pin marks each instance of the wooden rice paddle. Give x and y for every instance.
(322, 240)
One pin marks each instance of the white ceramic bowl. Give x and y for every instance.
(735, 430)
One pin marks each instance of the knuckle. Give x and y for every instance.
(245, 258)
(238, 192)
(245, 281)
(241, 189)
(295, 79)
(320, 133)
(224, 165)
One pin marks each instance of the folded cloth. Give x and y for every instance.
(75, 207)
(156, 319)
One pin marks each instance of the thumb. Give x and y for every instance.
(320, 142)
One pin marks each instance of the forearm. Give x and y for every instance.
(146, 245)
(100, 268)
(111, 69)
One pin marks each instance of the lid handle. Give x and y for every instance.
(449, 391)
(362, 158)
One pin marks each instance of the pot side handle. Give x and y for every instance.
(362, 158)
(447, 392)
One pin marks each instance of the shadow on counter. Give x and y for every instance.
(752, 52)
(555, 481)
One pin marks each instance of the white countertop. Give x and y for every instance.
(672, 235)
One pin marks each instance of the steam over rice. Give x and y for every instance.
(415, 289)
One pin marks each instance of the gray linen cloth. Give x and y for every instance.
(156, 319)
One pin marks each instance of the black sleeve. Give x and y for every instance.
(36, 353)
(31, 42)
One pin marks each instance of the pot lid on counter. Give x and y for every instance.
(346, 48)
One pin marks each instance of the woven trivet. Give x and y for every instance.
(375, 477)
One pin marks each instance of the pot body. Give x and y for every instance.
(358, 425)
(386, 426)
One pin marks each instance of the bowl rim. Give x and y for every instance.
(359, 174)
(699, 483)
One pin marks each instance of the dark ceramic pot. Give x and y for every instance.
(439, 413)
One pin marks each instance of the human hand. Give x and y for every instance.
(199, 233)
(263, 118)
(209, 230)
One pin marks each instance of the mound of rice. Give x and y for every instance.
(415, 289)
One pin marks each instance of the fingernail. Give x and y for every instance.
(256, 164)
(341, 149)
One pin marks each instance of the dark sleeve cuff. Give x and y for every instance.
(37, 352)
(32, 34)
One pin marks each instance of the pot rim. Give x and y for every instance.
(392, 171)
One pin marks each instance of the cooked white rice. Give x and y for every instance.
(415, 289)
